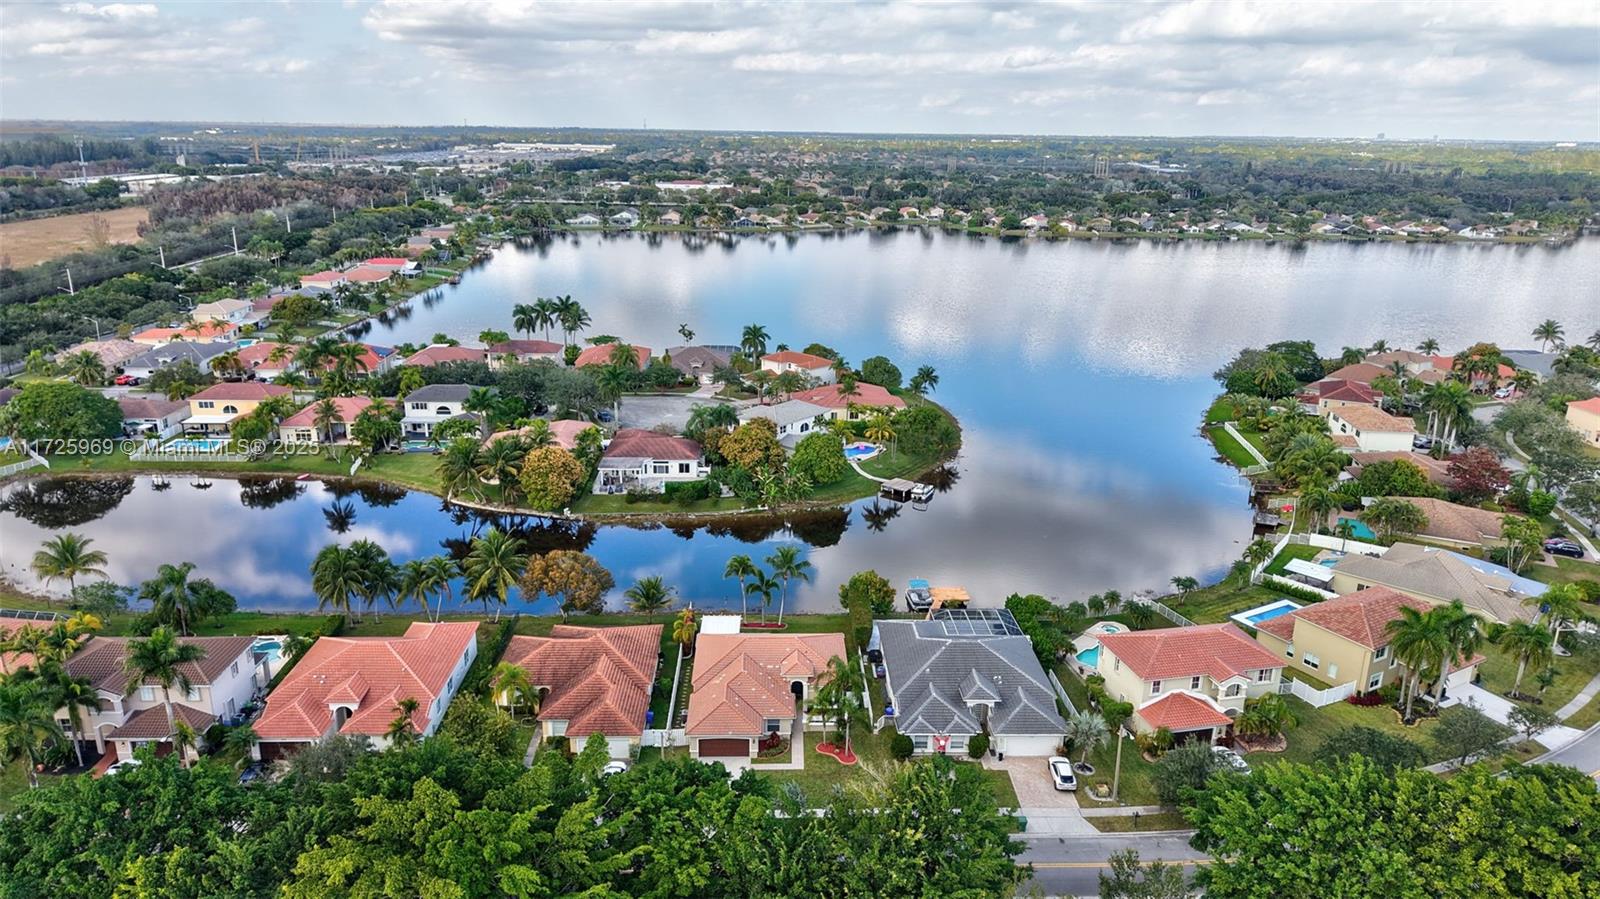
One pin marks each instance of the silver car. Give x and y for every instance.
(1231, 759)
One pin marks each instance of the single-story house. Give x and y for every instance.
(366, 274)
(112, 352)
(1458, 525)
(627, 218)
(870, 397)
(398, 264)
(1492, 592)
(265, 360)
(440, 353)
(212, 410)
(1360, 372)
(203, 332)
(591, 680)
(646, 460)
(794, 418)
(149, 362)
(1583, 416)
(301, 427)
(353, 685)
(671, 218)
(699, 362)
(507, 351)
(600, 354)
(947, 683)
(585, 220)
(1346, 640)
(152, 414)
(1478, 381)
(324, 280)
(427, 407)
(817, 367)
(749, 686)
(1437, 470)
(416, 246)
(564, 431)
(1193, 681)
(1374, 430)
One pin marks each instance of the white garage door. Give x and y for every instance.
(620, 747)
(1027, 746)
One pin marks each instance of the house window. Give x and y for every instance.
(1263, 675)
(422, 406)
(1374, 681)
(442, 410)
(236, 666)
(1233, 690)
(683, 468)
(1194, 682)
(558, 728)
(1333, 669)
(193, 695)
(1155, 687)
(206, 404)
(1310, 661)
(920, 744)
(774, 725)
(660, 468)
(147, 694)
(1288, 651)
(230, 410)
(1381, 653)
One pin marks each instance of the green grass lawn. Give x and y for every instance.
(1566, 571)
(1317, 725)
(1213, 605)
(1572, 673)
(590, 503)
(1256, 438)
(1231, 449)
(822, 773)
(1130, 824)
(1290, 553)
(1222, 409)
(1587, 717)
(1137, 783)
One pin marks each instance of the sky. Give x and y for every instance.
(1527, 69)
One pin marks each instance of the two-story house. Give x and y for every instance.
(220, 684)
(524, 351)
(428, 407)
(794, 419)
(213, 410)
(818, 367)
(645, 460)
(865, 402)
(1192, 681)
(1373, 429)
(233, 311)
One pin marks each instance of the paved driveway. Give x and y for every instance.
(652, 411)
(1500, 708)
(1032, 783)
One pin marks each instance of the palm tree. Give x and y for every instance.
(1416, 640)
(1344, 530)
(1461, 636)
(787, 382)
(1550, 333)
(183, 739)
(764, 585)
(1350, 355)
(172, 599)
(442, 571)
(538, 435)
(416, 584)
(1379, 346)
(83, 622)
(546, 313)
(1185, 585)
(926, 380)
(1594, 341)
(524, 319)
(85, 367)
(1562, 606)
(879, 430)
(1087, 730)
(458, 468)
(612, 381)
(27, 724)
(501, 463)
(1429, 346)
(1319, 503)
(68, 556)
(76, 695)
(649, 594)
(1265, 716)
(241, 739)
(786, 564)
(1449, 405)
(228, 366)
(337, 579)
(684, 629)
(706, 416)
(380, 576)
(511, 686)
(326, 416)
(403, 729)
(574, 318)
(839, 686)
(492, 567)
(162, 659)
(741, 567)
(686, 333)
(1529, 644)
(754, 341)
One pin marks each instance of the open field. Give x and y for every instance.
(28, 243)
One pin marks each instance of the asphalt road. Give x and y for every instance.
(1071, 865)
(1583, 754)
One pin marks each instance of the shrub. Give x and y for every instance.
(977, 746)
(637, 495)
(1184, 771)
(820, 458)
(901, 747)
(1541, 503)
(687, 492)
(476, 680)
(550, 476)
(1115, 712)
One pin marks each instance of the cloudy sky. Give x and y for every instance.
(1525, 69)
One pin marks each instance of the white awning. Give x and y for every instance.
(1311, 571)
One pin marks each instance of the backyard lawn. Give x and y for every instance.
(1291, 552)
(1137, 784)
(1231, 449)
(1213, 605)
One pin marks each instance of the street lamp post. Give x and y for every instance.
(96, 321)
(1116, 772)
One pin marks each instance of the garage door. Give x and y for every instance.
(619, 747)
(734, 748)
(1027, 745)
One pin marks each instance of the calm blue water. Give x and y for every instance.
(1079, 372)
(1359, 529)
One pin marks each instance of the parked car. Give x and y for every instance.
(124, 765)
(1061, 774)
(126, 381)
(255, 772)
(1502, 393)
(615, 766)
(1421, 442)
(1561, 547)
(1232, 759)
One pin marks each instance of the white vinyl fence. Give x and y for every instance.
(1316, 698)
(1324, 541)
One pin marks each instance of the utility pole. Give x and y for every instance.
(70, 291)
(96, 324)
(163, 252)
(83, 167)
(235, 230)
(1116, 774)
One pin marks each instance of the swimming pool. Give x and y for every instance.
(1090, 658)
(1255, 616)
(272, 649)
(196, 445)
(1359, 529)
(861, 450)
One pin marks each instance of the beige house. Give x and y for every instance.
(591, 680)
(1458, 525)
(212, 410)
(1438, 576)
(1373, 429)
(751, 687)
(1192, 681)
(1584, 417)
(1346, 640)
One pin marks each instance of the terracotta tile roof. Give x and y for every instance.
(1590, 405)
(599, 677)
(398, 261)
(362, 274)
(113, 352)
(14, 660)
(258, 354)
(1450, 521)
(200, 331)
(349, 407)
(1343, 391)
(1359, 617)
(1180, 712)
(152, 724)
(740, 680)
(440, 353)
(632, 443)
(1219, 651)
(1344, 441)
(866, 395)
(565, 431)
(1371, 418)
(601, 355)
(374, 672)
(799, 360)
(1404, 357)
(242, 390)
(104, 660)
(323, 277)
(1362, 372)
(522, 347)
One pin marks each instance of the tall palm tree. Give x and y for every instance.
(612, 381)
(183, 739)
(926, 380)
(442, 572)
(1429, 346)
(326, 416)
(839, 686)
(1449, 405)
(492, 567)
(649, 594)
(172, 599)
(337, 579)
(458, 468)
(524, 319)
(85, 367)
(787, 564)
(1461, 637)
(501, 463)
(546, 313)
(511, 686)
(1416, 640)
(1529, 644)
(68, 556)
(741, 567)
(880, 430)
(1319, 503)
(574, 318)
(403, 729)
(788, 382)
(27, 724)
(380, 579)
(76, 695)
(764, 585)
(1562, 607)
(1594, 341)
(1185, 585)
(753, 340)
(415, 584)
(1379, 346)
(1550, 333)
(163, 659)
(684, 629)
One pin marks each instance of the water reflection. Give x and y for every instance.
(65, 502)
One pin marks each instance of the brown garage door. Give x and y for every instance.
(738, 747)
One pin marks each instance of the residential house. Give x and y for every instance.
(638, 459)
(1360, 372)
(1479, 381)
(406, 268)
(563, 431)
(868, 397)
(793, 418)
(627, 218)
(353, 686)
(948, 682)
(910, 212)
(1457, 525)
(374, 360)
(1413, 362)
(586, 220)
(149, 362)
(113, 352)
(1346, 640)
(935, 214)
(1330, 393)
(416, 246)
(671, 218)
(266, 359)
(600, 354)
(324, 280)
(440, 353)
(1036, 221)
(428, 407)
(1436, 470)
(202, 332)
(591, 680)
(212, 410)
(700, 362)
(234, 311)
(439, 232)
(1492, 592)
(1193, 681)
(1374, 430)
(220, 684)
(748, 687)
(366, 274)
(152, 415)
(1583, 416)
(301, 428)
(525, 351)
(817, 367)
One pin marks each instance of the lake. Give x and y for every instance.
(1079, 370)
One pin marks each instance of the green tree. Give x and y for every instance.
(753, 446)
(74, 695)
(1418, 642)
(1528, 643)
(1523, 540)
(1131, 879)
(511, 687)
(753, 341)
(1459, 629)
(493, 565)
(649, 594)
(176, 601)
(1184, 771)
(458, 468)
(27, 724)
(787, 564)
(162, 659)
(85, 368)
(60, 410)
(68, 556)
(1265, 716)
(684, 628)
(578, 580)
(1391, 517)
(1087, 730)
(741, 567)
(880, 371)
(1377, 746)
(925, 381)
(1464, 732)
(1549, 333)
(338, 580)
(550, 478)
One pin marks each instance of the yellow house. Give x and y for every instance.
(1584, 417)
(1346, 640)
(1438, 576)
(1192, 681)
(212, 410)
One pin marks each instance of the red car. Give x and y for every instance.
(126, 381)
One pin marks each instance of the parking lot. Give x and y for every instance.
(649, 412)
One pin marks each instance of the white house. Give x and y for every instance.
(586, 220)
(627, 218)
(1374, 430)
(152, 414)
(818, 367)
(794, 418)
(427, 407)
(636, 459)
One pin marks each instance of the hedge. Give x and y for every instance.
(477, 680)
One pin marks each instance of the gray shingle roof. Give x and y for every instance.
(440, 393)
(176, 351)
(933, 676)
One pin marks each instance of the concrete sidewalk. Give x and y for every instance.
(1582, 699)
(1499, 708)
